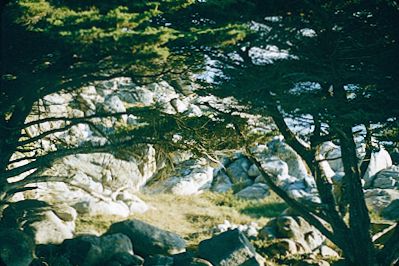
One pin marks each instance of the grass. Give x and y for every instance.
(193, 217)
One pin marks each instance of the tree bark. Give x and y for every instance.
(359, 219)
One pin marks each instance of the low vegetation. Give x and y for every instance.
(193, 217)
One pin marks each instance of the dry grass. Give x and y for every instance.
(193, 217)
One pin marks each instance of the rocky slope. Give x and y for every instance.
(105, 184)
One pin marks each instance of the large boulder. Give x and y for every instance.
(296, 166)
(52, 229)
(90, 250)
(95, 207)
(332, 153)
(159, 260)
(188, 259)
(237, 171)
(221, 182)
(378, 199)
(387, 178)
(300, 235)
(379, 161)
(191, 177)
(124, 259)
(391, 212)
(230, 248)
(16, 247)
(149, 240)
(256, 191)
(275, 166)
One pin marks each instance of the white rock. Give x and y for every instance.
(180, 105)
(51, 229)
(193, 183)
(113, 104)
(379, 160)
(329, 150)
(139, 96)
(194, 111)
(163, 92)
(326, 251)
(275, 166)
(94, 208)
(296, 166)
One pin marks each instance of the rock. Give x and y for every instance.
(391, 212)
(378, 199)
(296, 167)
(256, 191)
(387, 178)
(253, 171)
(275, 166)
(386, 182)
(137, 206)
(149, 240)
(311, 262)
(332, 152)
(192, 262)
(158, 260)
(125, 259)
(180, 105)
(260, 179)
(92, 250)
(250, 230)
(189, 177)
(192, 177)
(193, 183)
(50, 229)
(395, 156)
(326, 251)
(65, 212)
(16, 247)
(117, 172)
(237, 171)
(301, 236)
(230, 248)
(284, 247)
(194, 111)
(113, 104)
(379, 160)
(139, 96)
(163, 92)
(95, 207)
(221, 183)
(189, 259)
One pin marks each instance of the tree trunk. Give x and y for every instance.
(359, 219)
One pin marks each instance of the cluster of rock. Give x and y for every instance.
(239, 174)
(101, 183)
(133, 242)
(130, 242)
(113, 179)
(287, 234)
(293, 235)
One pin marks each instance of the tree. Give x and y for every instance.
(332, 65)
(53, 46)
(334, 61)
